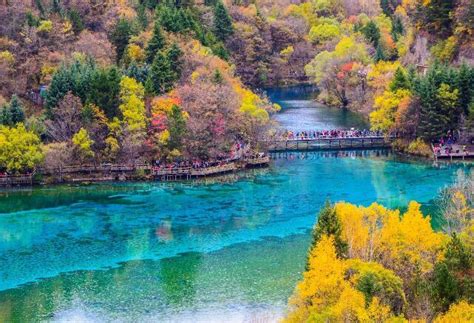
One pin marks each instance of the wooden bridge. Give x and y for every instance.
(303, 144)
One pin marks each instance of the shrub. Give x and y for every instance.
(7, 57)
(45, 26)
(419, 147)
(323, 32)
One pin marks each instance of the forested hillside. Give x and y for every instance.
(146, 79)
(120, 81)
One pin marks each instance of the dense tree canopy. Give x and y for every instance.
(380, 278)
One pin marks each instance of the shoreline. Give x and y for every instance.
(138, 175)
(106, 173)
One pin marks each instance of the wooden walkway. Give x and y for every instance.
(177, 173)
(454, 155)
(104, 168)
(16, 180)
(329, 143)
(112, 172)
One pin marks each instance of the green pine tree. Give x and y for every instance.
(433, 120)
(56, 7)
(75, 78)
(156, 43)
(222, 22)
(121, 36)
(329, 224)
(161, 77)
(371, 32)
(105, 90)
(465, 84)
(138, 72)
(379, 54)
(40, 7)
(217, 78)
(60, 85)
(16, 110)
(76, 21)
(452, 280)
(142, 17)
(386, 7)
(438, 16)
(397, 27)
(219, 50)
(5, 116)
(32, 20)
(176, 127)
(174, 55)
(439, 98)
(399, 81)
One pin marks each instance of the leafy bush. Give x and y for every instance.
(420, 148)
(45, 26)
(323, 32)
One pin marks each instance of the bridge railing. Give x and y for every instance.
(326, 138)
(329, 143)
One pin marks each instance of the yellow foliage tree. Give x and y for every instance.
(133, 106)
(45, 26)
(19, 149)
(83, 143)
(399, 249)
(322, 283)
(135, 53)
(409, 242)
(361, 228)
(386, 105)
(460, 312)
(7, 57)
(252, 104)
(380, 74)
(323, 32)
(327, 295)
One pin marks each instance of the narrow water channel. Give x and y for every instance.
(213, 252)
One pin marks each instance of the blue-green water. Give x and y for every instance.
(301, 112)
(219, 251)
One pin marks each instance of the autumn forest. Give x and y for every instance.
(188, 85)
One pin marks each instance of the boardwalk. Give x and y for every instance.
(302, 144)
(122, 172)
(454, 151)
(177, 173)
(16, 180)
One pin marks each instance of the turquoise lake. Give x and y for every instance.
(224, 250)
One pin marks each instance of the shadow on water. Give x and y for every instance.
(299, 92)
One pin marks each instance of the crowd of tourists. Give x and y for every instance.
(239, 151)
(329, 134)
(448, 145)
(330, 154)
